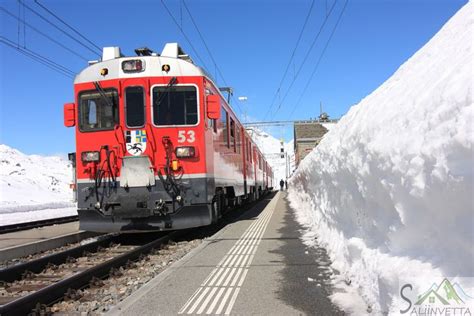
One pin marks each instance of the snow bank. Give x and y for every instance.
(33, 187)
(389, 190)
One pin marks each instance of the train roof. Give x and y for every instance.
(180, 64)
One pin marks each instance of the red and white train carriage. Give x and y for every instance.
(158, 147)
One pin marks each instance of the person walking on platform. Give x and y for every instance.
(281, 184)
(286, 185)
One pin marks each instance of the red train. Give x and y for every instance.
(158, 147)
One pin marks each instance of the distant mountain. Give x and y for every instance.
(31, 182)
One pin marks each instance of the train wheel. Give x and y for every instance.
(238, 201)
(215, 209)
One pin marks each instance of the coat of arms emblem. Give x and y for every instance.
(135, 142)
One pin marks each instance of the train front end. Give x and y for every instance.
(140, 147)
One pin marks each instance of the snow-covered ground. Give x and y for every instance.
(271, 149)
(389, 191)
(33, 187)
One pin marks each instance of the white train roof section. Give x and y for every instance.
(180, 64)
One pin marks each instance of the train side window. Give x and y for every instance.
(232, 133)
(232, 128)
(247, 148)
(98, 112)
(237, 136)
(212, 124)
(249, 151)
(225, 127)
(134, 106)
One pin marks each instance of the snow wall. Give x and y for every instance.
(389, 190)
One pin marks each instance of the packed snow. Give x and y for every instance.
(33, 187)
(389, 190)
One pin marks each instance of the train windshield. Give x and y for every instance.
(98, 112)
(175, 106)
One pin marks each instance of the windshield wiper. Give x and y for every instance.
(102, 94)
(171, 83)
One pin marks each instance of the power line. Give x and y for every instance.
(19, 22)
(184, 34)
(60, 29)
(202, 39)
(209, 52)
(69, 26)
(291, 58)
(38, 58)
(306, 56)
(43, 34)
(320, 58)
(24, 28)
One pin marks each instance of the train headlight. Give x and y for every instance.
(133, 65)
(185, 152)
(90, 156)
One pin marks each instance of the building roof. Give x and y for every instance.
(308, 131)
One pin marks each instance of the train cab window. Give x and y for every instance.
(225, 131)
(97, 111)
(135, 106)
(175, 106)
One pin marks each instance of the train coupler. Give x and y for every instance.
(160, 207)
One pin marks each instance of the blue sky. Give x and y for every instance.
(251, 41)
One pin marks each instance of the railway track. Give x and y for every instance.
(29, 225)
(30, 286)
(81, 279)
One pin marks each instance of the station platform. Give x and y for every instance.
(257, 265)
(26, 242)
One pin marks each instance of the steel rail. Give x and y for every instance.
(15, 272)
(52, 293)
(29, 225)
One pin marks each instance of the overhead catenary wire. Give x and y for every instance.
(95, 51)
(305, 58)
(38, 58)
(67, 24)
(24, 28)
(184, 34)
(319, 60)
(42, 34)
(291, 58)
(210, 53)
(203, 40)
(19, 22)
